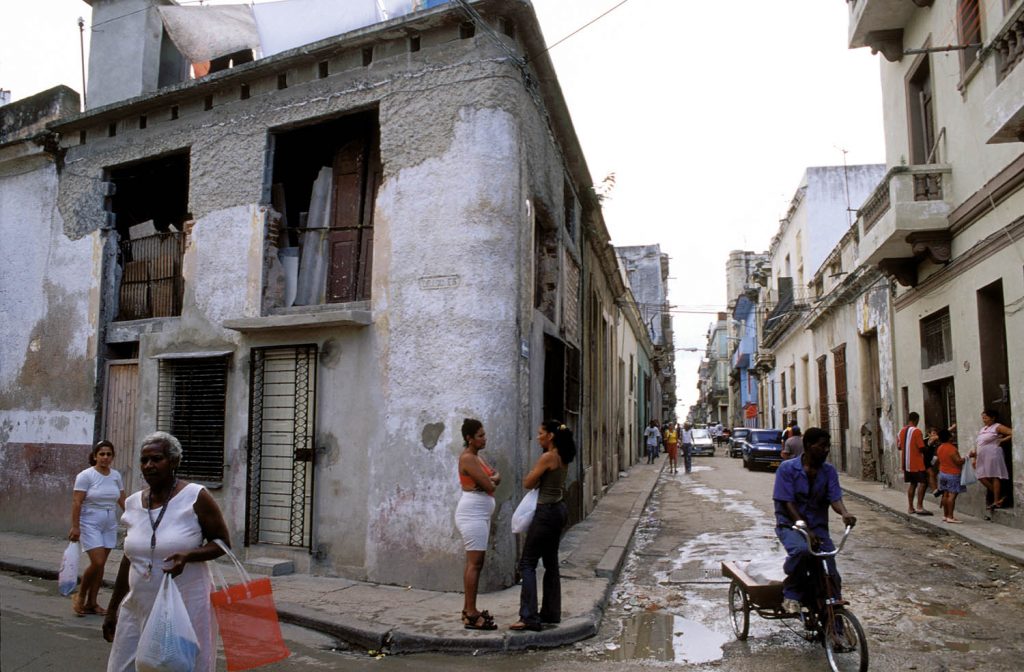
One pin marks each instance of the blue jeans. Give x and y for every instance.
(542, 544)
(797, 562)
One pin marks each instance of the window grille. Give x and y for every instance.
(936, 339)
(190, 405)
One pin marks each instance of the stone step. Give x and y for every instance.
(269, 566)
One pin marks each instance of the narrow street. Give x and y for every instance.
(927, 602)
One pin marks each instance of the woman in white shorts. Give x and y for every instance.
(473, 518)
(99, 490)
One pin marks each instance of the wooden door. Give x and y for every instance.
(122, 389)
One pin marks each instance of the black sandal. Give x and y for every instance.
(480, 621)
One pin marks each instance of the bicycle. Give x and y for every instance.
(825, 616)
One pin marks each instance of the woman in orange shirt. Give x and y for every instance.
(949, 475)
(473, 518)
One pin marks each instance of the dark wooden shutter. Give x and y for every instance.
(191, 400)
(823, 419)
(842, 396)
(347, 212)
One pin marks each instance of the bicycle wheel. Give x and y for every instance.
(845, 644)
(739, 610)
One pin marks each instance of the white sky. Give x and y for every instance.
(706, 111)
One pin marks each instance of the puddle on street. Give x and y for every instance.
(665, 637)
(941, 610)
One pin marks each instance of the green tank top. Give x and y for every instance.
(551, 486)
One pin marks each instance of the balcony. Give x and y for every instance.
(879, 24)
(906, 218)
(1004, 107)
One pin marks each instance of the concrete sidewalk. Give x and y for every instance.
(406, 620)
(991, 536)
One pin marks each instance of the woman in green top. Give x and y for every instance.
(548, 475)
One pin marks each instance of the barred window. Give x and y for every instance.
(190, 405)
(936, 339)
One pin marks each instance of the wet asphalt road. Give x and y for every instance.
(927, 602)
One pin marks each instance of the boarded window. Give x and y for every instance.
(190, 405)
(936, 339)
(149, 205)
(328, 222)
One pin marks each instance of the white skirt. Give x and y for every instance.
(473, 518)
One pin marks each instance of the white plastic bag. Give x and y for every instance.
(523, 515)
(67, 579)
(168, 642)
(967, 475)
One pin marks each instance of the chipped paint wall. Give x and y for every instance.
(464, 149)
(48, 286)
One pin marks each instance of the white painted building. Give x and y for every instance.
(947, 223)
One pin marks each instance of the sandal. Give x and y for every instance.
(76, 606)
(533, 627)
(95, 609)
(479, 621)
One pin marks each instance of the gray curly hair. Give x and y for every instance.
(171, 443)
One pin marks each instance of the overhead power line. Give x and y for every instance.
(578, 30)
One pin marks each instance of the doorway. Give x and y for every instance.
(995, 374)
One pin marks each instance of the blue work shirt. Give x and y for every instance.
(812, 499)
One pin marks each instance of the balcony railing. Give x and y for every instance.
(1009, 45)
(925, 183)
(151, 281)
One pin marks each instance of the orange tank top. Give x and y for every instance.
(469, 483)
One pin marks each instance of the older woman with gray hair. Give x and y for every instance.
(172, 525)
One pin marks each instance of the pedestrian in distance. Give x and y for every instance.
(98, 493)
(794, 445)
(911, 446)
(542, 539)
(805, 489)
(686, 438)
(172, 527)
(990, 465)
(950, 463)
(652, 437)
(473, 518)
(672, 446)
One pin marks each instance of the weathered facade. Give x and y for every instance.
(311, 267)
(794, 375)
(744, 274)
(47, 330)
(947, 222)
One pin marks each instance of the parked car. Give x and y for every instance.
(702, 443)
(762, 448)
(736, 441)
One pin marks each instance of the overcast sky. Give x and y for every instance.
(706, 111)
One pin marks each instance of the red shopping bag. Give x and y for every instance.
(247, 620)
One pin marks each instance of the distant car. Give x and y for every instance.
(702, 443)
(762, 448)
(736, 441)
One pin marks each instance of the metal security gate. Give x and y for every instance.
(281, 432)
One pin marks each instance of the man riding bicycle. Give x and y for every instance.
(805, 488)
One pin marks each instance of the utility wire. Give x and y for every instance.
(580, 29)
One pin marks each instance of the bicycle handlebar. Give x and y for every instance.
(823, 554)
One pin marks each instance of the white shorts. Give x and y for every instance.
(98, 528)
(473, 518)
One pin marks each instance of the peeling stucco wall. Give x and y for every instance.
(48, 285)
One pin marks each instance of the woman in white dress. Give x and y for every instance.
(99, 490)
(171, 528)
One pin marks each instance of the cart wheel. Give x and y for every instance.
(845, 644)
(739, 610)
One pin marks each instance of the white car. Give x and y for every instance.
(702, 443)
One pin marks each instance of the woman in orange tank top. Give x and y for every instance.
(473, 518)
